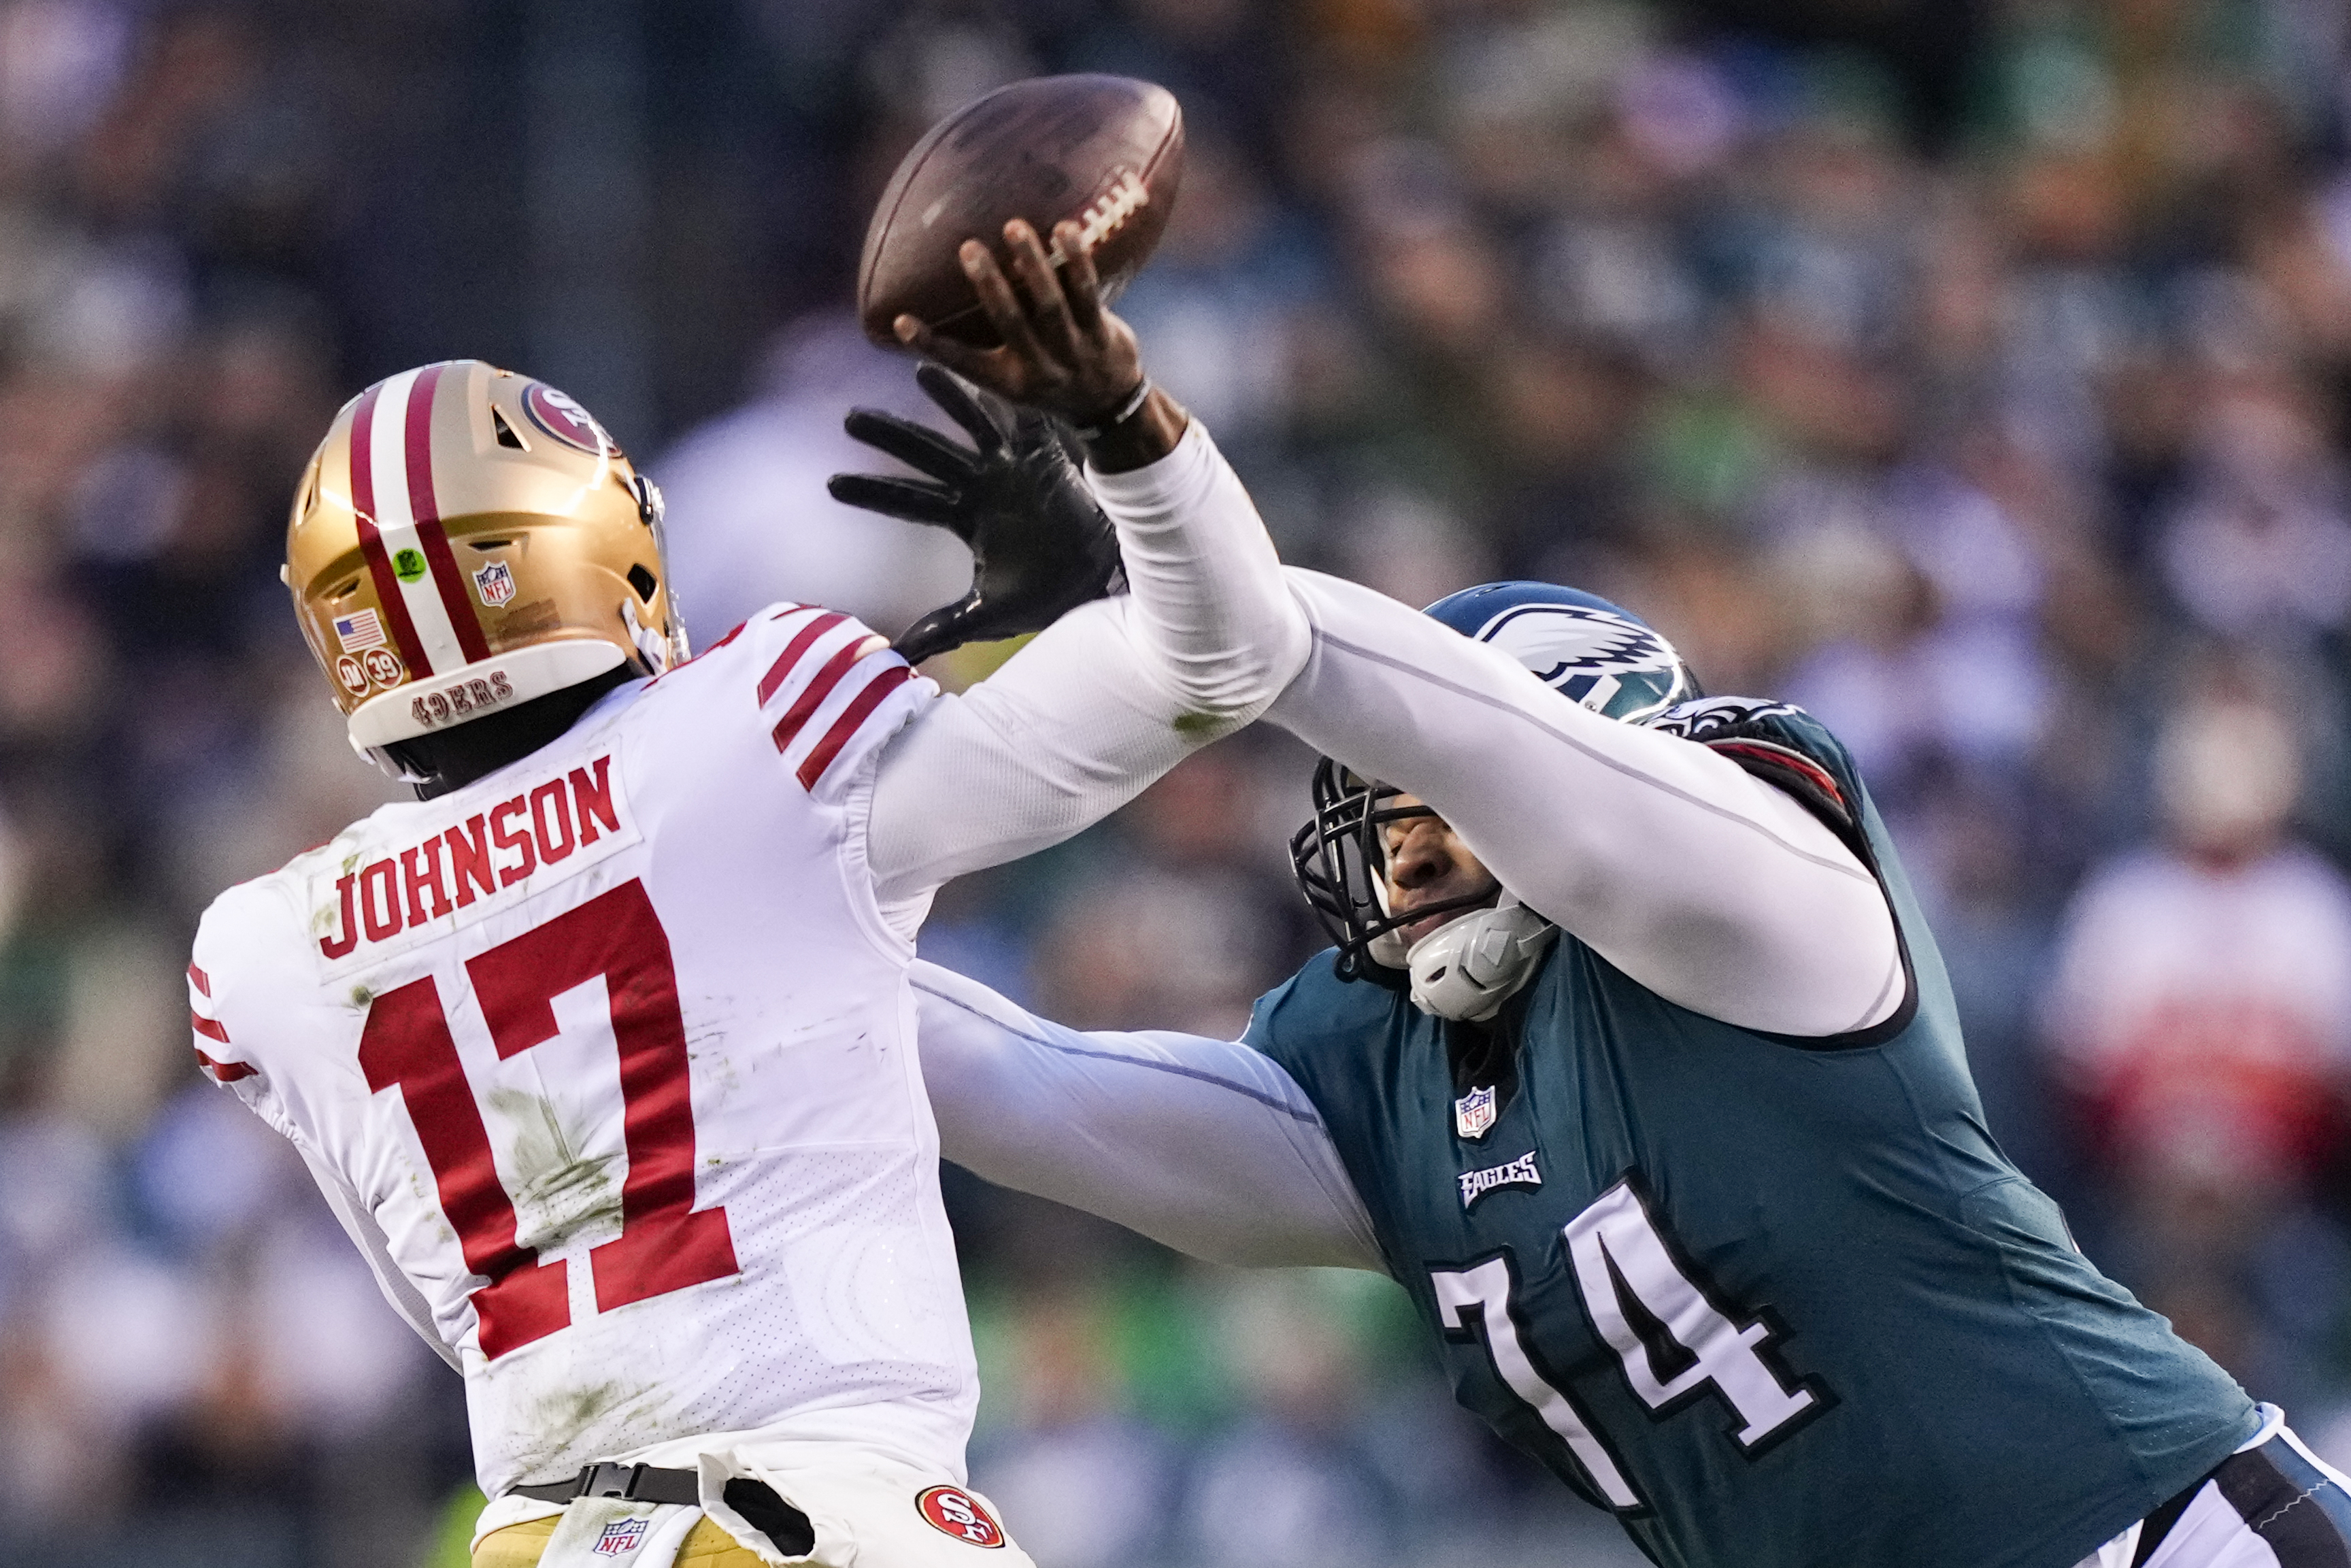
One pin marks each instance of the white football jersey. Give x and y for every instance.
(615, 1050)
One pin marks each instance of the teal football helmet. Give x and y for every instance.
(1596, 654)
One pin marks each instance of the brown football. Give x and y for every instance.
(1104, 152)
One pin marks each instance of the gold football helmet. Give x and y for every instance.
(466, 539)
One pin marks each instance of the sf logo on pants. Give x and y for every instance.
(961, 1515)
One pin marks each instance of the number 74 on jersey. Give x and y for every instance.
(1674, 1342)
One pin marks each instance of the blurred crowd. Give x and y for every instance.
(1977, 375)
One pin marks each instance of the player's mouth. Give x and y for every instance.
(1439, 894)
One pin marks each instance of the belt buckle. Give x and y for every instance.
(605, 1478)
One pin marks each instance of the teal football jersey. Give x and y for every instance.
(1776, 1303)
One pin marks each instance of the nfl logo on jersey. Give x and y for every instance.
(1473, 1114)
(621, 1536)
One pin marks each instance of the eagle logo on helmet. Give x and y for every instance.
(1585, 654)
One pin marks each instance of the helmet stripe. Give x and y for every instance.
(388, 442)
(371, 545)
(424, 506)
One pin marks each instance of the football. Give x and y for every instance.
(1104, 152)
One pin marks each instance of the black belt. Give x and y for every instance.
(632, 1483)
(756, 1501)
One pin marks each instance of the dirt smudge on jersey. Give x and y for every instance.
(561, 1192)
(572, 1418)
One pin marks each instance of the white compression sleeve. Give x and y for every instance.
(1706, 885)
(1203, 1144)
(1106, 699)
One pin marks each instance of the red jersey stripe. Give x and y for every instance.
(209, 1028)
(202, 981)
(379, 563)
(779, 671)
(860, 710)
(224, 1072)
(813, 695)
(424, 504)
(1820, 777)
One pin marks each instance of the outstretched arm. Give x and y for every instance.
(1203, 1144)
(1118, 690)
(1706, 885)
(1106, 699)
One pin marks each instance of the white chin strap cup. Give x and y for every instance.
(1469, 966)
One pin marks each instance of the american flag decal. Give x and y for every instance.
(361, 629)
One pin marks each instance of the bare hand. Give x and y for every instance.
(1064, 353)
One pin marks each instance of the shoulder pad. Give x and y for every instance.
(1779, 744)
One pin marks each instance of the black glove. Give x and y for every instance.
(1040, 545)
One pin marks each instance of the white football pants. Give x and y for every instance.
(2272, 1504)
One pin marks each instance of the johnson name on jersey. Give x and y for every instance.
(608, 1058)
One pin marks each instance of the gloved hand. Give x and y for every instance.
(1040, 545)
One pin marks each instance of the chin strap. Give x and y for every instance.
(1469, 966)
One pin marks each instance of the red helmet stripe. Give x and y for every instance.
(425, 506)
(378, 560)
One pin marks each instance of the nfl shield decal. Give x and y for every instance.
(953, 1512)
(1473, 1114)
(620, 1537)
(495, 584)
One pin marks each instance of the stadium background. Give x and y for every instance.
(1972, 373)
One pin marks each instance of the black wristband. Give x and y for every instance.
(1125, 411)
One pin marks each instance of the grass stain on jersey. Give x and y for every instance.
(618, 1415)
(561, 1192)
(362, 997)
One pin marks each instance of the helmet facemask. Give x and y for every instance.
(1340, 859)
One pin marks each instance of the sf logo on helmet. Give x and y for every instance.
(560, 415)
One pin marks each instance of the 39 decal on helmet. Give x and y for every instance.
(466, 539)
(1596, 654)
